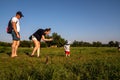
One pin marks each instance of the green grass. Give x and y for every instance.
(85, 63)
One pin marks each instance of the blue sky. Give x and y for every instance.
(81, 20)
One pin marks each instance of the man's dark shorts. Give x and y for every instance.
(14, 36)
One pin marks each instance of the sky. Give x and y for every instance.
(81, 20)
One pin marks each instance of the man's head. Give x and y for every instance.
(47, 31)
(19, 14)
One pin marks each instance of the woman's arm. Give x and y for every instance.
(44, 39)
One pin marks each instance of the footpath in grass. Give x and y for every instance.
(85, 63)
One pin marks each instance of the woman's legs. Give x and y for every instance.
(38, 52)
(37, 46)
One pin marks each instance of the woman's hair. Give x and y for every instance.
(48, 29)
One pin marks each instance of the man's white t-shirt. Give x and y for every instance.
(16, 20)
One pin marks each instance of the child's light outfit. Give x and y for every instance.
(67, 49)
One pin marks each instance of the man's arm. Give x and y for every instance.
(15, 29)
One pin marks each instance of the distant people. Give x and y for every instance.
(15, 33)
(37, 37)
(67, 49)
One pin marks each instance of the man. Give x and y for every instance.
(37, 37)
(15, 33)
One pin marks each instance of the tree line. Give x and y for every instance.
(94, 44)
(60, 42)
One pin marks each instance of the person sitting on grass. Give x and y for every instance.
(67, 49)
(37, 37)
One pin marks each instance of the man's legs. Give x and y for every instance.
(13, 48)
(15, 45)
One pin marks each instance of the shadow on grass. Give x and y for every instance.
(52, 55)
(1, 51)
(61, 55)
(27, 53)
(8, 53)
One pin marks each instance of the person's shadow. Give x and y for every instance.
(27, 53)
(1, 51)
(8, 53)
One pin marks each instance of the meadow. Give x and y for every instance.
(85, 63)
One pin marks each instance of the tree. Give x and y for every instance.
(25, 43)
(43, 44)
(97, 44)
(111, 44)
(75, 44)
(116, 43)
(80, 44)
(58, 40)
(5, 44)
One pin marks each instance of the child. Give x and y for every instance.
(67, 49)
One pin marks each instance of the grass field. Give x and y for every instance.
(85, 63)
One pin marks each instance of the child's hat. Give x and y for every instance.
(68, 42)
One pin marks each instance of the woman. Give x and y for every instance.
(37, 37)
